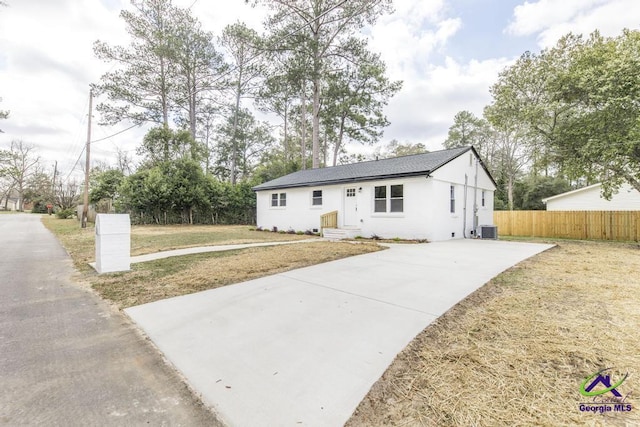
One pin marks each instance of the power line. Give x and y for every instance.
(115, 134)
(73, 168)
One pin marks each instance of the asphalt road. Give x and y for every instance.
(68, 358)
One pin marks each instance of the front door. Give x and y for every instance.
(350, 207)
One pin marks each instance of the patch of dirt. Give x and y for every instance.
(515, 352)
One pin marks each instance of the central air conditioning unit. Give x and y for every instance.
(488, 232)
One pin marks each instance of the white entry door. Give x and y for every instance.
(350, 207)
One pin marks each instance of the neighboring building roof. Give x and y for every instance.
(626, 198)
(572, 192)
(396, 167)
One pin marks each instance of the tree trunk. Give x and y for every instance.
(336, 150)
(303, 125)
(325, 148)
(315, 135)
(193, 102)
(285, 138)
(164, 95)
(20, 196)
(234, 141)
(510, 191)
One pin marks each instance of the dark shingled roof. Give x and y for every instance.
(397, 167)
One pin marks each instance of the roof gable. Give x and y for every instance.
(417, 164)
(572, 192)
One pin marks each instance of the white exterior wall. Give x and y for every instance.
(626, 199)
(448, 225)
(299, 214)
(412, 223)
(426, 205)
(12, 205)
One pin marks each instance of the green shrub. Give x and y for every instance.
(39, 207)
(65, 213)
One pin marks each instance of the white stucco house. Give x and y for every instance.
(11, 204)
(589, 199)
(425, 196)
(10, 201)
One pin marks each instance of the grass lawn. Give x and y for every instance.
(516, 351)
(155, 280)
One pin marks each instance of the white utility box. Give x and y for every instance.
(113, 243)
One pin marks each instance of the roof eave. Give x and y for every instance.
(344, 181)
(570, 193)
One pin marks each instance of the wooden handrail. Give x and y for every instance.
(329, 220)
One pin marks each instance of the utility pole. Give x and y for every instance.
(85, 206)
(55, 173)
(51, 204)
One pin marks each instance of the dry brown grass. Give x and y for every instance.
(145, 239)
(153, 238)
(515, 352)
(165, 278)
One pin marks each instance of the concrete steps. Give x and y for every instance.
(341, 233)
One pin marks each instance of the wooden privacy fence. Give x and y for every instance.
(602, 225)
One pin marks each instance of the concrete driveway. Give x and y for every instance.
(304, 347)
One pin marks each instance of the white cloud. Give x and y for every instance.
(47, 63)
(432, 94)
(407, 38)
(215, 17)
(423, 111)
(551, 19)
(46, 70)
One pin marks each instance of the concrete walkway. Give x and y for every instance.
(304, 347)
(203, 249)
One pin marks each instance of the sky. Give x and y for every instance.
(448, 53)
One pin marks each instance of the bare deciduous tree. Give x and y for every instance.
(18, 165)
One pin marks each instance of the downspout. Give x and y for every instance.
(475, 202)
(464, 209)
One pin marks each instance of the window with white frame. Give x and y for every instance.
(278, 200)
(380, 199)
(388, 198)
(452, 199)
(316, 198)
(483, 198)
(397, 198)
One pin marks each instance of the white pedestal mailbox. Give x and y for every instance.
(113, 243)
